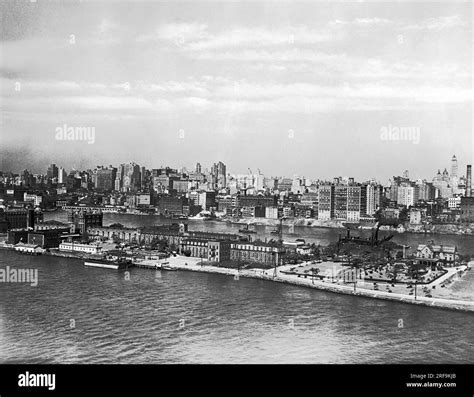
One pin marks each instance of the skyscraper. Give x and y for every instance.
(52, 171)
(406, 195)
(143, 177)
(131, 177)
(105, 178)
(469, 181)
(325, 202)
(62, 174)
(26, 178)
(370, 198)
(119, 177)
(454, 167)
(198, 168)
(218, 175)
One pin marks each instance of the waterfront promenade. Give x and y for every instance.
(194, 264)
(283, 275)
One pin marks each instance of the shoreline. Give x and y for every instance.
(316, 223)
(185, 263)
(193, 264)
(336, 225)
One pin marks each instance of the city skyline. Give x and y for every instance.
(461, 171)
(236, 182)
(318, 89)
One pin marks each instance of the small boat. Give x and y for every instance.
(166, 266)
(246, 230)
(179, 216)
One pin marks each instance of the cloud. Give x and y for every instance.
(198, 37)
(439, 23)
(222, 95)
(361, 22)
(177, 33)
(285, 55)
(107, 26)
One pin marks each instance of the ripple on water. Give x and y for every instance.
(185, 317)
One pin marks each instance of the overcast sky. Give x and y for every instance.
(290, 88)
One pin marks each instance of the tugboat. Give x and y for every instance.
(118, 264)
(246, 230)
(279, 228)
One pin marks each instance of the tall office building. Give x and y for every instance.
(469, 181)
(454, 167)
(353, 203)
(62, 175)
(218, 176)
(370, 198)
(198, 168)
(105, 178)
(119, 178)
(131, 177)
(406, 195)
(143, 178)
(340, 202)
(52, 171)
(325, 202)
(442, 182)
(27, 178)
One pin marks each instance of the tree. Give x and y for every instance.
(355, 265)
(403, 216)
(154, 243)
(162, 244)
(314, 272)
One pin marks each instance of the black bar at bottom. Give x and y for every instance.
(290, 380)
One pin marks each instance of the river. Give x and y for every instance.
(83, 315)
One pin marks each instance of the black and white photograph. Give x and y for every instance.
(237, 183)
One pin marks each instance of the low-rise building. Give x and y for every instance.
(83, 218)
(445, 253)
(454, 203)
(197, 248)
(467, 209)
(265, 253)
(28, 248)
(15, 236)
(288, 212)
(271, 212)
(247, 212)
(415, 216)
(36, 199)
(218, 250)
(77, 247)
(47, 237)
